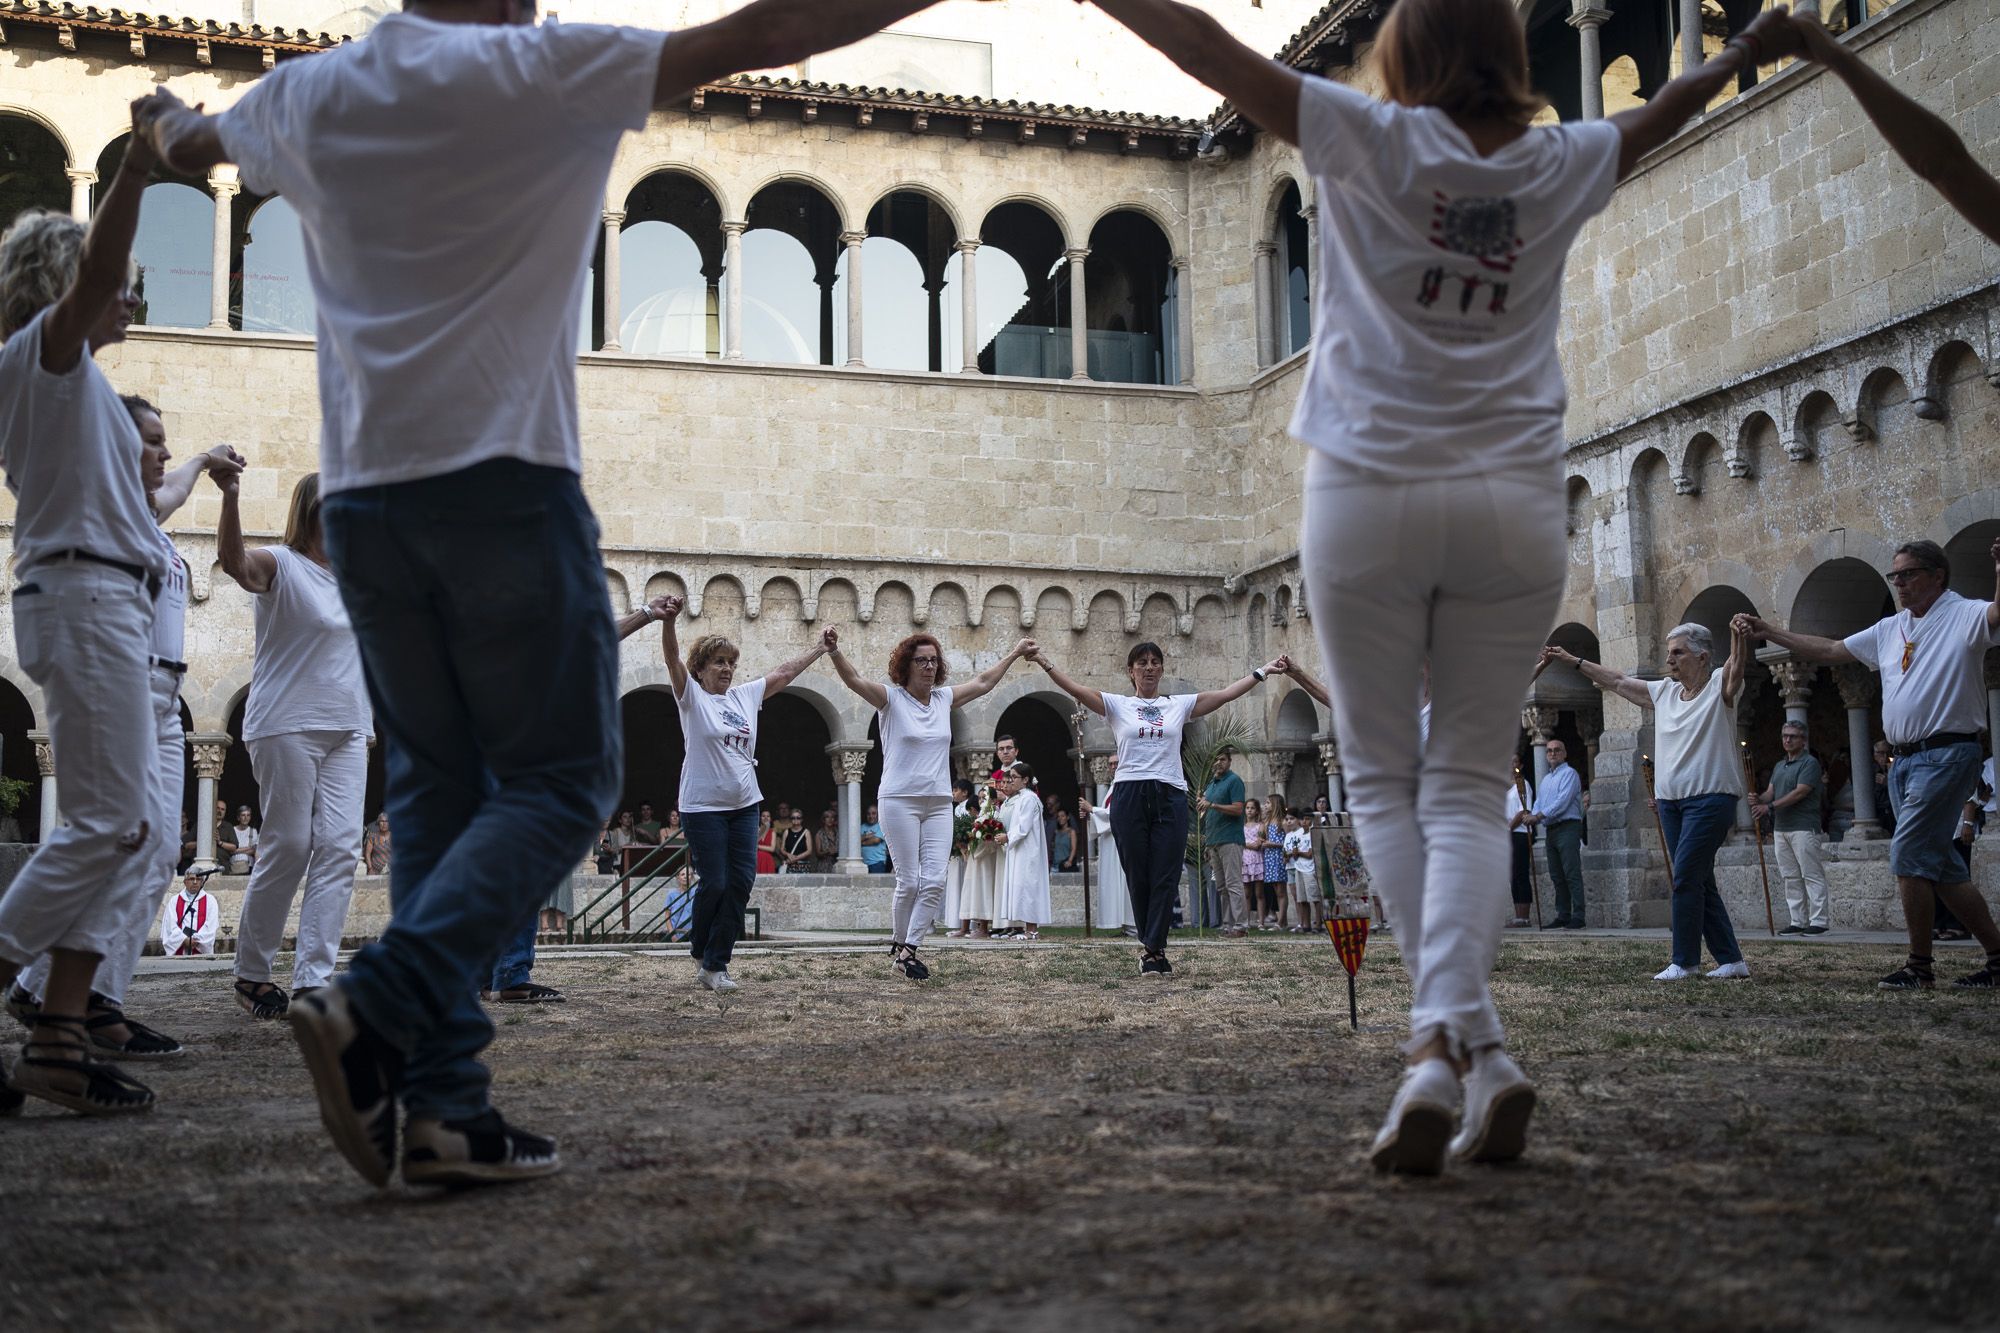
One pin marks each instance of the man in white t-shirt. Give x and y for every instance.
(1931, 655)
(449, 172)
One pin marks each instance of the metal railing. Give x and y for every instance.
(610, 914)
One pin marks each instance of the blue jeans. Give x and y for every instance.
(1695, 826)
(723, 844)
(517, 955)
(486, 636)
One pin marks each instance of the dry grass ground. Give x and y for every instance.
(1041, 1141)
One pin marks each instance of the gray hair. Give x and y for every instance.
(1697, 638)
(38, 261)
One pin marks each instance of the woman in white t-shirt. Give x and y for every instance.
(307, 725)
(1148, 805)
(720, 801)
(90, 561)
(913, 721)
(1433, 408)
(1697, 782)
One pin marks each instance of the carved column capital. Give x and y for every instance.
(1539, 721)
(45, 755)
(1795, 681)
(1858, 687)
(850, 761)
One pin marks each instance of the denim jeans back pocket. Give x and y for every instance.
(499, 560)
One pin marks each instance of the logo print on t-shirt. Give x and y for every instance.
(733, 719)
(1152, 722)
(1483, 230)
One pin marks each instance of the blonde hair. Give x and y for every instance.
(1467, 58)
(39, 256)
(706, 649)
(302, 519)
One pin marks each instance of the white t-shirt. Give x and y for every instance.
(308, 671)
(1514, 805)
(1299, 850)
(720, 731)
(449, 179)
(1440, 284)
(170, 607)
(916, 743)
(72, 458)
(1695, 740)
(1148, 734)
(1932, 668)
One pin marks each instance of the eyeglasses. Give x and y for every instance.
(1902, 576)
(923, 661)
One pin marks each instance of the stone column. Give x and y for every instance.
(1587, 19)
(1795, 686)
(1539, 721)
(1311, 214)
(614, 315)
(1079, 321)
(1690, 15)
(218, 288)
(1183, 321)
(211, 750)
(1857, 694)
(45, 764)
(80, 182)
(850, 763)
(732, 263)
(968, 306)
(1329, 766)
(1263, 256)
(852, 240)
(1281, 762)
(972, 761)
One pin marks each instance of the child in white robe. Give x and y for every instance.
(1024, 879)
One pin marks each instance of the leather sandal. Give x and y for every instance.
(141, 1042)
(262, 999)
(100, 1089)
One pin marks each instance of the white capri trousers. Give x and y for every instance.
(1467, 572)
(312, 784)
(153, 875)
(918, 831)
(82, 631)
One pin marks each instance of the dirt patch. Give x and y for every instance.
(1042, 1141)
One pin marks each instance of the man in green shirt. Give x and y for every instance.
(1792, 802)
(1221, 808)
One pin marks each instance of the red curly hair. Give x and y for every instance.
(900, 655)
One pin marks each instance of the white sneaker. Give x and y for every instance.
(1415, 1136)
(1498, 1102)
(1737, 971)
(1674, 972)
(716, 981)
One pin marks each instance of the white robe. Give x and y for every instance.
(182, 913)
(949, 917)
(1111, 905)
(1024, 882)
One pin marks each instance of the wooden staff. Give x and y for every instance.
(1646, 764)
(1534, 889)
(1083, 833)
(1757, 832)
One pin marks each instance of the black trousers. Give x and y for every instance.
(1149, 824)
(1524, 866)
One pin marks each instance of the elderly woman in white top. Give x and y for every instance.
(913, 711)
(90, 561)
(1698, 780)
(307, 725)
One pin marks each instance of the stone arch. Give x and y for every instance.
(1578, 638)
(1000, 606)
(1159, 618)
(1882, 387)
(781, 596)
(844, 213)
(1647, 490)
(619, 591)
(1055, 608)
(791, 244)
(1130, 305)
(1701, 455)
(672, 252)
(277, 292)
(948, 606)
(53, 130)
(666, 583)
(1290, 239)
(1970, 551)
(1040, 202)
(1295, 720)
(724, 597)
(1024, 235)
(1840, 596)
(1932, 402)
(1866, 549)
(1818, 409)
(1745, 458)
(1106, 613)
(893, 601)
(1210, 631)
(837, 602)
(1257, 621)
(944, 203)
(1713, 608)
(618, 195)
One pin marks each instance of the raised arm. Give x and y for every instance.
(1083, 694)
(1209, 700)
(179, 483)
(785, 673)
(252, 570)
(665, 610)
(1304, 680)
(984, 682)
(1927, 145)
(1805, 647)
(1260, 87)
(1603, 677)
(185, 137)
(104, 268)
(1740, 653)
(1645, 128)
(872, 692)
(767, 35)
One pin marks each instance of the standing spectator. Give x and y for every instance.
(1063, 845)
(874, 847)
(826, 843)
(767, 843)
(672, 834)
(1276, 875)
(1931, 655)
(1558, 814)
(648, 826)
(1221, 806)
(1300, 876)
(221, 824)
(188, 922)
(623, 834)
(1522, 835)
(1024, 878)
(1885, 808)
(1253, 866)
(375, 847)
(604, 856)
(238, 844)
(1792, 801)
(795, 851)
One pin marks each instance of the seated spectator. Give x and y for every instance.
(1062, 844)
(187, 924)
(826, 843)
(648, 827)
(186, 858)
(874, 847)
(615, 840)
(671, 833)
(375, 846)
(237, 844)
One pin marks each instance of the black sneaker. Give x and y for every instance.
(354, 1072)
(1905, 979)
(484, 1150)
(1573, 925)
(1986, 978)
(1793, 930)
(1155, 965)
(1814, 930)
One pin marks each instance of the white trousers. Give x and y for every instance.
(1467, 572)
(1800, 862)
(82, 632)
(311, 784)
(918, 830)
(153, 875)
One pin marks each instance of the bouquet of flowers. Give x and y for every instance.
(969, 833)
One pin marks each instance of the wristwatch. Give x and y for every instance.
(1260, 674)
